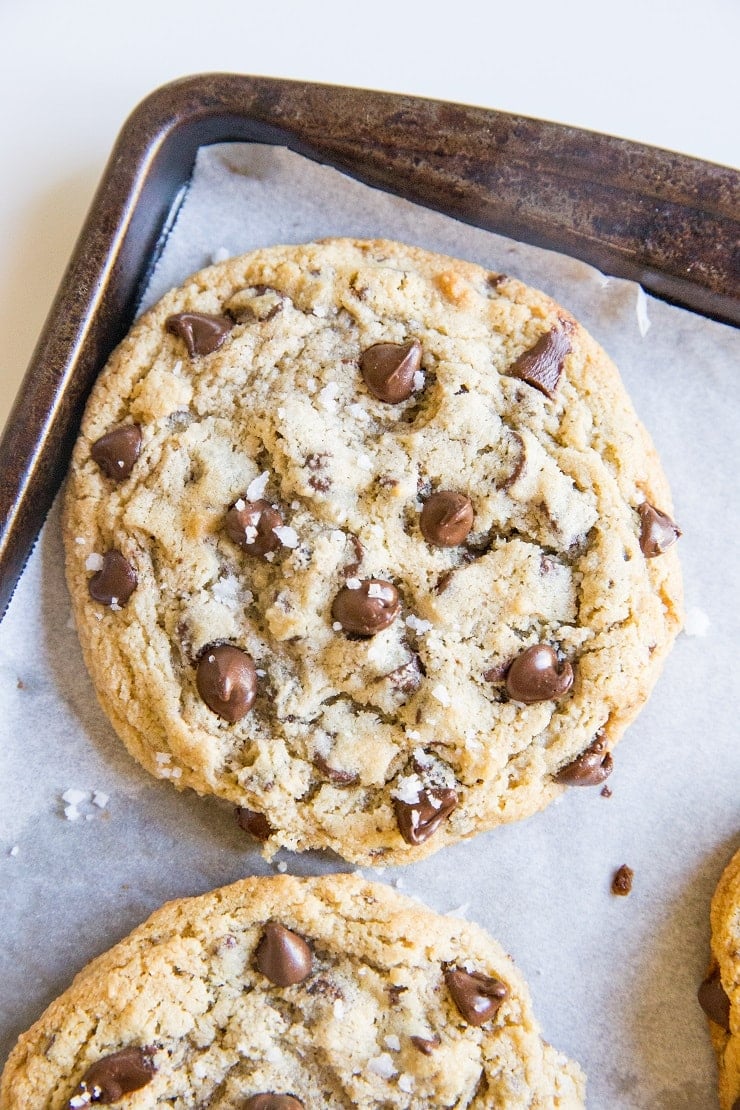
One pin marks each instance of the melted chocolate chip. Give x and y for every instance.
(588, 769)
(201, 332)
(388, 370)
(537, 675)
(622, 881)
(419, 820)
(256, 824)
(446, 518)
(426, 1045)
(271, 1101)
(117, 451)
(227, 681)
(477, 996)
(657, 531)
(333, 774)
(252, 527)
(283, 956)
(408, 677)
(736, 1104)
(542, 365)
(114, 583)
(714, 1000)
(444, 580)
(119, 1074)
(352, 568)
(367, 610)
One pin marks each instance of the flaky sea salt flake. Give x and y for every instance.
(94, 561)
(14, 850)
(442, 694)
(416, 624)
(418, 380)
(100, 799)
(74, 797)
(382, 1066)
(643, 323)
(288, 536)
(406, 1082)
(256, 488)
(392, 1042)
(353, 583)
(409, 789)
(328, 397)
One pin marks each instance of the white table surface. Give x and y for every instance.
(662, 72)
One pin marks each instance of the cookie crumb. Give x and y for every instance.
(622, 881)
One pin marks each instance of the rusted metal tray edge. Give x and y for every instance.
(666, 220)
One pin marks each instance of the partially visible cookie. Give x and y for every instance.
(369, 542)
(719, 994)
(284, 993)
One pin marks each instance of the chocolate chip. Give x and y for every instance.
(283, 956)
(477, 996)
(117, 451)
(226, 678)
(714, 1001)
(588, 769)
(419, 820)
(251, 524)
(395, 992)
(352, 568)
(202, 332)
(537, 675)
(333, 774)
(622, 881)
(407, 678)
(368, 609)
(426, 1045)
(256, 824)
(444, 580)
(114, 583)
(388, 370)
(605, 792)
(542, 365)
(271, 1101)
(657, 531)
(119, 1074)
(736, 1104)
(446, 518)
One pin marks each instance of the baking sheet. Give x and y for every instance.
(613, 979)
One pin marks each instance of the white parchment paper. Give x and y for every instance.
(614, 979)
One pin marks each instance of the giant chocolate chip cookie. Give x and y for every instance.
(294, 994)
(369, 542)
(719, 994)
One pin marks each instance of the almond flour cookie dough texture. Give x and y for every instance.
(284, 993)
(369, 542)
(719, 994)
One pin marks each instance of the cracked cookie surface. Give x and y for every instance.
(374, 547)
(332, 992)
(719, 994)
